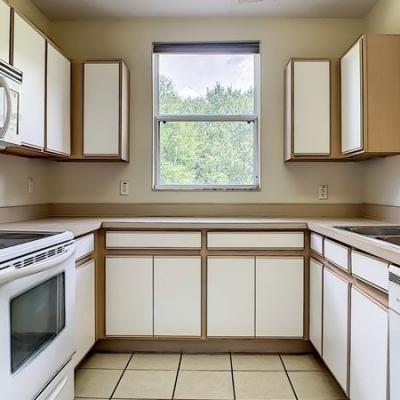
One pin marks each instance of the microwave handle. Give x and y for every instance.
(4, 129)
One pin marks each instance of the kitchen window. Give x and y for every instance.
(206, 116)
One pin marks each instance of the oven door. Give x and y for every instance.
(36, 335)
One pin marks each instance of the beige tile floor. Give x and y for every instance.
(204, 377)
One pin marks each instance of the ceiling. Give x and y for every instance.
(102, 9)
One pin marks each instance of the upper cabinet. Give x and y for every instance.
(370, 86)
(30, 58)
(58, 113)
(5, 18)
(312, 117)
(100, 117)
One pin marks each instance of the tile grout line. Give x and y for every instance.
(123, 372)
(177, 374)
(288, 377)
(233, 379)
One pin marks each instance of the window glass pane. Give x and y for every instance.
(207, 153)
(206, 84)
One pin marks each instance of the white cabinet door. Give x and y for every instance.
(29, 57)
(101, 115)
(369, 349)
(316, 274)
(279, 296)
(352, 113)
(336, 326)
(129, 296)
(177, 296)
(84, 310)
(58, 102)
(230, 296)
(311, 107)
(5, 17)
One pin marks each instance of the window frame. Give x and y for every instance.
(158, 120)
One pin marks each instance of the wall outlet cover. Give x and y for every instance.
(124, 188)
(323, 192)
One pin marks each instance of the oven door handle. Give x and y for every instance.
(11, 274)
(6, 124)
(55, 393)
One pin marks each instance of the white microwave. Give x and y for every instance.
(10, 92)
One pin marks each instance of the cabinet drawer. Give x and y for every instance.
(256, 240)
(84, 246)
(316, 243)
(155, 240)
(337, 254)
(370, 269)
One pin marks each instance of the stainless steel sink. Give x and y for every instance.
(390, 239)
(373, 230)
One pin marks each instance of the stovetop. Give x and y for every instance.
(11, 238)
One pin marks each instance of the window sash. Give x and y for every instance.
(242, 47)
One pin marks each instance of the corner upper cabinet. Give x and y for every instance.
(30, 58)
(312, 103)
(5, 20)
(100, 98)
(370, 92)
(58, 115)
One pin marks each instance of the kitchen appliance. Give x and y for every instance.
(394, 331)
(37, 290)
(10, 91)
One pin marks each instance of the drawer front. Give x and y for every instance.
(337, 253)
(153, 240)
(316, 243)
(84, 246)
(370, 269)
(255, 240)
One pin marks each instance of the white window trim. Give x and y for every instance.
(157, 120)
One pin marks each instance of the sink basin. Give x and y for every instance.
(373, 230)
(390, 239)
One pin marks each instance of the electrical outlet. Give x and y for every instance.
(30, 183)
(323, 192)
(124, 188)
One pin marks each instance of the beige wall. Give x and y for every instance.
(382, 177)
(280, 39)
(14, 171)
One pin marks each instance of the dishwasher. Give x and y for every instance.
(394, 331)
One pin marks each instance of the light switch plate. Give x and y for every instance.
(30, 183)
(124, 188)
(323, 192)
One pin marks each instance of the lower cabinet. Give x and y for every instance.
(84, 310)
(177, 296)
(129, 296)
(336, 326)
(279, 296)
(316, 276)
(230, 296)
(369, 348)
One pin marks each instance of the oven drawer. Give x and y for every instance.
(84, 246)
(153, 240)
(370, 269)
(316, 243)
(337, 254)
(255, 240)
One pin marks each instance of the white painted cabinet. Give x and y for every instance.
(279, 296)
(29, 57)
(129, 296)
(336, 326)
(369, 349)
(177, 296)
(84, 310)
(352, 113)
(230, 296)
(58, 102)
(106, 110)
(5, 18)
(316, 276)
(311, 107)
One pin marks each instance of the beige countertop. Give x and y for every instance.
(325, 226)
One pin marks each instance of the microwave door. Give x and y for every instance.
(5, 107)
